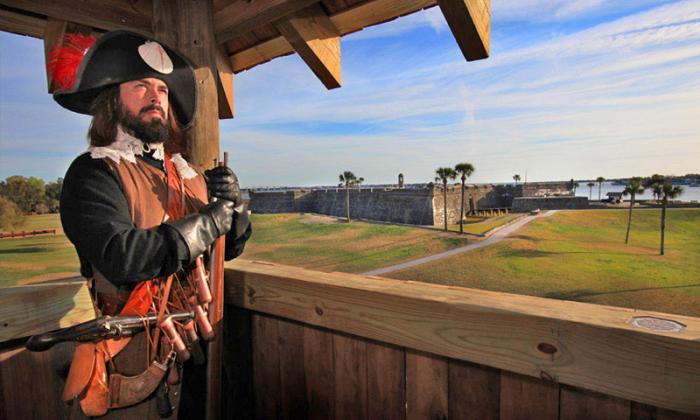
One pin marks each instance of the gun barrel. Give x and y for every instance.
(100, 329)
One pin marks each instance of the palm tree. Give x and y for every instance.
(516, 178)
(590, 190)
(574, 185)
(359, 182)
(348, 178)
(668, 191)
(466, 170)
(634, 186)
(443, 174)
(599, 180)
(656, 183)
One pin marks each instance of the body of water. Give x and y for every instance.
(689, 193)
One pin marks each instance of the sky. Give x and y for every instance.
(572, 89)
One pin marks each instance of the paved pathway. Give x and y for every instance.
(494, 238)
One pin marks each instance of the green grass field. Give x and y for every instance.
(303, 240)
(482, 225)
(581, 255)
(573, 255)
(319, 243)
(37, 258)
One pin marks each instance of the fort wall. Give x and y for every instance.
(418, 206)
(525, 204)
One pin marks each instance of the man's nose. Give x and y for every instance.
(153, 96)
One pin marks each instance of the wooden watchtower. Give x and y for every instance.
(307, 344)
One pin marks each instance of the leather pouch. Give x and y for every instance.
(130, 390)
(80, 371)
(95, 400)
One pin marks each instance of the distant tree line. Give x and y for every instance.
(20, 195)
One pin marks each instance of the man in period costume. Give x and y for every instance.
(140, 217)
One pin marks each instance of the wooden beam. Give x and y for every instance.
(317, 41)
(187, 26)
(589, 346)
(242, 16)
(224, 83)
(470, 22)
(105, 15)
(348, 21)
(29, 310)
(54, 35)
(261, 53)
(18, 23)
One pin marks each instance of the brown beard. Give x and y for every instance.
(155, 131)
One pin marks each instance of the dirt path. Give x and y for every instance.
(494, 238)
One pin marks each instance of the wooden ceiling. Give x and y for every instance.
(252, 32)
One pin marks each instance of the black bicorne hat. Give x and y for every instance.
(121, 56)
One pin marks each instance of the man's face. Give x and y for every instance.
(144, 109)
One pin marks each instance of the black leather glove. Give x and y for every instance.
(201, 229)
(223, 183)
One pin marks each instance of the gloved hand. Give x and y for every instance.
(223, 183)
(201, 229)
(221, 213)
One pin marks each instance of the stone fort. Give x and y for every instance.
(417, 204)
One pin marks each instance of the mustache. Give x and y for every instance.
(151, 108)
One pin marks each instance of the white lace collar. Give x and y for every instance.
(126, 147)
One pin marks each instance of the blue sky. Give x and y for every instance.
(576, 89)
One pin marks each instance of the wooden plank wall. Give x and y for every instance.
(302, 371)
(31, 383)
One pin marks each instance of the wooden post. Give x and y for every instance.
(188, 26)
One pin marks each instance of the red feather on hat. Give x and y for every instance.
(64, 60)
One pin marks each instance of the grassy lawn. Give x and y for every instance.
(481, 225)
(581, 255)
(312, 242)
(37, 258)
(303, 240)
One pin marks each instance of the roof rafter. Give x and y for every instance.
(317, 41)
(242, 16)
(348, 21)
(104, 15)
(470, 22)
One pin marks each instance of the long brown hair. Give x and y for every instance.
(106, 112)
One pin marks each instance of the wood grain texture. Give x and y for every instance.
(470, 22)
(523, 397)
(241, 16)
(28, 310)
(317, 42)
(351, 20)
(426, 386)
(100, 14)
(386, 376)
(19, 23)
(224, 84)
(292, 370)
(578, 404)
(642, 411)
(320, 375)
(25, 397)
(662, 414)
(238, 364)
(187, 26)
(473, 391)
(595, 347)
(350, 364)
(266, 367)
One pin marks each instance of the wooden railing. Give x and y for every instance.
(306, 344)
(336, 345)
